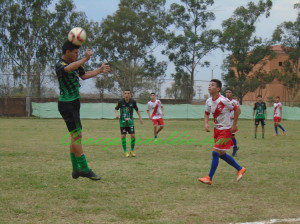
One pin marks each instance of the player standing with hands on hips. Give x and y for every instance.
(156, 109)
(68, 71)
(220, 107)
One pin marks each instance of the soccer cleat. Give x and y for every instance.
(90, 175)
(240, 173)
(205, 180)
(284, 133)
(132, 153)
(275, 135)
(126, 154)
(75, 174)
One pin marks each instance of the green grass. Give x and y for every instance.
(158, 186)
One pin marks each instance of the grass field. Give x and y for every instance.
(158, 186)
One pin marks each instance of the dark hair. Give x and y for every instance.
(126, 90)
(152, 93)
(218, 82)
(69, 46)
(229, 89)
(259, 96)
(277, 97)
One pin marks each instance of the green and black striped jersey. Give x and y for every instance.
(68, 81)
(126, 112)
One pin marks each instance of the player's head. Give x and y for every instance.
(152, 96)
(229, 93)
(127, 94)
(277, 99)
(259, 98)
(215, 86)
(70, 51)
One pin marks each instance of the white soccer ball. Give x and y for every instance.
(77, 36)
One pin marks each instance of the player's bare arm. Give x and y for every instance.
(117, 114)
(149, 115)
(235, 119)
(139, 114)
(76, 64)
(206, 118)
(105, 68)
(162, 111)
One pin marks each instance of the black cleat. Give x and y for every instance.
(75, 174)
(90, 175)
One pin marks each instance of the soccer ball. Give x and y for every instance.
(77, 36)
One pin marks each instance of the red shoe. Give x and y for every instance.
(205, 180)
(284, 133)
(240, 173)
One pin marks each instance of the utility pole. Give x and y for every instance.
(199, 88)
(212, 71)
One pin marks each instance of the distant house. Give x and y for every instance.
(275, 88)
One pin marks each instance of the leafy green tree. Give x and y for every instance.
(180, 88)
(31, 38)
(287, 35)
(246, 50)
(187, 47)
(104, 83)
(127, 40)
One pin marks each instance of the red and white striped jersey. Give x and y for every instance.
(232, 111)
(221, 109)
(155, 109)
(277, 107)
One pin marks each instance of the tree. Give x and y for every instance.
(187, 48)
(180, 89)
(32, 37)
(104, 83)
(245, 50)
(288, 35)
(127, 40)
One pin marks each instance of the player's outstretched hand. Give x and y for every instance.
(105, 68)
(88, 54)
(141, 121)
(207, 128)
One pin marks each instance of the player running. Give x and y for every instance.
(229, 95)
(155, 112)
(260, 111)
(126, 106)
(68, 71)
(277, 116)
(220, 107)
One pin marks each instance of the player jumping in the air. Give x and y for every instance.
(277, 116)
(155, 112)
(229, 95)
(260, 111)
(68, 71)
(126, 106)
(220, 107)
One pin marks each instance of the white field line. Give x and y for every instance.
(271, 221)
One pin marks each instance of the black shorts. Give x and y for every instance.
(262, 121)
(70, 112)
(124, 130)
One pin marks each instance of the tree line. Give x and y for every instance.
(31, 36)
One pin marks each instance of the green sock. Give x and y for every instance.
(75, 165)
(132, 144)
(255, 135)
(124, 144)
(263, 135)
(83, 163)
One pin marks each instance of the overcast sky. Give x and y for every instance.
(281, 11)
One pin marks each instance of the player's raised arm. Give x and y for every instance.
(76, 64)
(105, 68)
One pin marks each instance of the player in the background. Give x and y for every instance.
(155, 112)
(277, 116)
(68, 71)
(220, 107)
(126, 106)
(229, 95)
(260, 112)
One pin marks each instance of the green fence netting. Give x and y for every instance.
(179, 111)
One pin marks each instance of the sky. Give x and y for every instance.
(282, 10)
